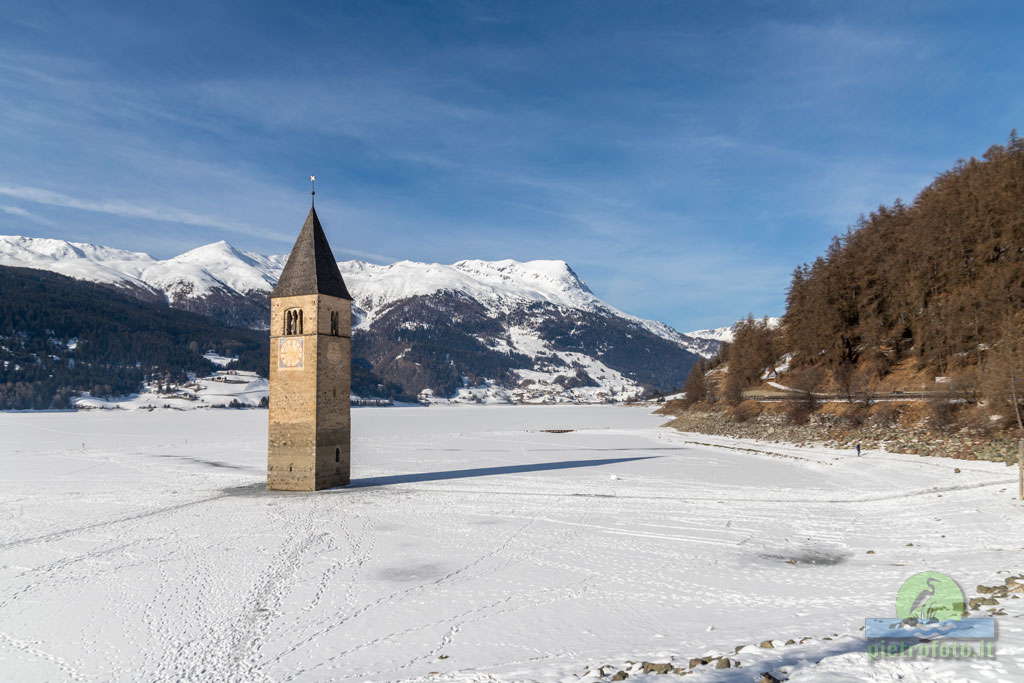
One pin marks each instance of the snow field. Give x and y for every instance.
(220, 390)
(473, 546)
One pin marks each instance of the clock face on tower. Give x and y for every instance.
(290, 353)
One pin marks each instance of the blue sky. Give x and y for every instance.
(683, 157)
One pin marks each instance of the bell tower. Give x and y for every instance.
(310, 368)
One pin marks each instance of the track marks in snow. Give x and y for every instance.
(514, 549)
(231, 644)
(58, 535)
(456, 623)
(381, 601)
(31, 650)
(258, 587)
(55, 572)
(360, 549)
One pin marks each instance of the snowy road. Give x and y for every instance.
(141, 546)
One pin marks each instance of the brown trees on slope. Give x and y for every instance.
(696, 387)
(1003, 371)
(752, 351)
(931, 280)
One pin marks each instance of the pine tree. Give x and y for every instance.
(696, 388)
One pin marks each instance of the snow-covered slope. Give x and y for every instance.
(223, 389)
(499, 285)
(217, 266)
(222, 265)
(490, 282)
(526, 331)
(493, 283)
(720, 335)
(78, 260)
(215, 279)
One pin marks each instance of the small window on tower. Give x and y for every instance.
(293, 321)
(334, 323)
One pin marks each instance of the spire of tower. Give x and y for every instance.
(311, 268)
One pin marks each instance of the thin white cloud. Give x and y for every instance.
(28, 215)
(132, 210)
(366, 255)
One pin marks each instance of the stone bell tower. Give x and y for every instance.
(310, 368)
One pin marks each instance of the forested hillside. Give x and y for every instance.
(506, 330)
(932, 290)
(934, 279)
(60, 336)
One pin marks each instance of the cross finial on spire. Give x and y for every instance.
(312, 194)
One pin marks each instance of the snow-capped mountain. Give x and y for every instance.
(499, 285)
(507, 330)
(479, 330)
(215, 279)
(715, 337)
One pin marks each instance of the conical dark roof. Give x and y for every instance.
(311, 268)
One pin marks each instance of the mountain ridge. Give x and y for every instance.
(537, 327)
(253, 272)
(724, 335)
(60, 337)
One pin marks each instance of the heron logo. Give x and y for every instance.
(930, 596)
(930, 612)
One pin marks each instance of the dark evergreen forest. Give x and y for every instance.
(60, 336)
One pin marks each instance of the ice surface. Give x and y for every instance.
(142, 546)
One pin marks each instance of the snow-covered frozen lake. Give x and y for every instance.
(141, 546)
